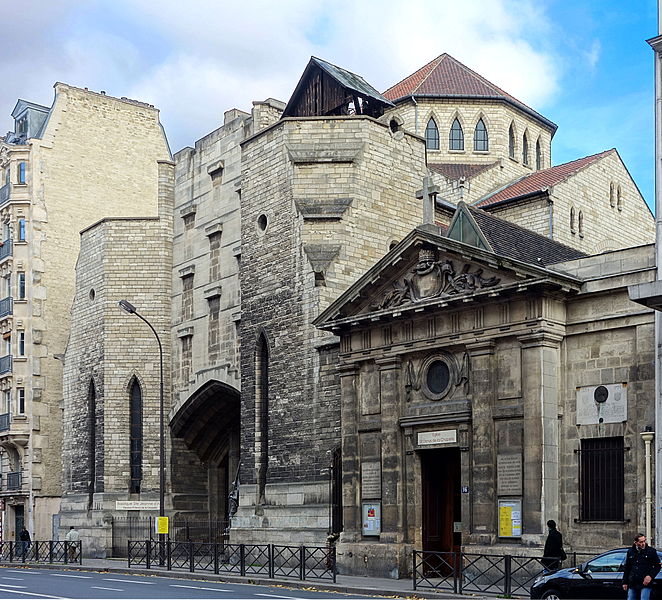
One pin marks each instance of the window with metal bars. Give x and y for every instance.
(601, 479)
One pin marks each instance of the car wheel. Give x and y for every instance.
(551, 595)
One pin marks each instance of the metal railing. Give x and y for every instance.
(5, 421)
(267, 560)
(14, 480)
(5, 249)
(4, 193)
(50, 551)
(6, 306)
(494, 574)
(5, 364)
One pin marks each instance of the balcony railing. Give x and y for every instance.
(5, 249)
(5, 421)
(6, 306)
(4, 193)
(5, 364)
(14, 480)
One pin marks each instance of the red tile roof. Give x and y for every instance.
(540, 180)
(446, 76)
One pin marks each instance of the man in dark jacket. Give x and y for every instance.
(642, 564)
(553, 553)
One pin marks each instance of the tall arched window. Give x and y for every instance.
(525, 149)
(511, 141)
(136, 435)
(619, 198)
(456, 136)
(92, 440)
(432, 135)
(572, 219)
(261, 415)
(581, 223)
(612, 195)
(481, 139)
(538, 155)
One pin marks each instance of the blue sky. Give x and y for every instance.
(584, 64)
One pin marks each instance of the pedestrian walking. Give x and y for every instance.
(24, 541)
(72, 538)
(553, 553)
(642, 564)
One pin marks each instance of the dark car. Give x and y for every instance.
(600, 578)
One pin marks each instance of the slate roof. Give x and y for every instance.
(447, 77)
(540, 180)
(520, 243)
(455, 171)
(350, 80)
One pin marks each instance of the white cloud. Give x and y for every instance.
(196, 59)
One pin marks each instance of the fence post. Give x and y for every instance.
(333, 562)
(168, 554)
(191, 566)
(242, 559)
(270, 554)
(36, 551)
(457, 572)
(148, 559)
(80, 552)
(302, 563)
(50, 551)
(11, 552)
(216, 558)
(413, 568)
(508, 573)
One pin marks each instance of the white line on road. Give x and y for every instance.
(74, 576)
(8, 585)
(13, 578)
(195, 587)
(273, 596)
(98, 587)
(129, 581)
(32, 594)
(23, 572)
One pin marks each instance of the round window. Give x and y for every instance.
(262, 223)
(438, 377)
(92, 294)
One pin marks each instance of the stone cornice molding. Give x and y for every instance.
(391, 362)
(347, 370)
(542, 338)
(481, 348)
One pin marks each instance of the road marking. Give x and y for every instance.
(98, 587)
(23, 572)
(32, 594)
(14, 578)
(129, 581)
(8, 585)
(195, 587)
(75, 576)
(273, 596)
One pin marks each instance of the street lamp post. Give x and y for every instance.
(129, 308)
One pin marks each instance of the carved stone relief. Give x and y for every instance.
(437, 376)
(433, 278)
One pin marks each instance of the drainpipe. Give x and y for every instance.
(415, 115)
(648, 436)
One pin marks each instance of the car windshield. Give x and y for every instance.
(608, 563)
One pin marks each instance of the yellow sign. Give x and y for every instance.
(505, 521)
(161, 525)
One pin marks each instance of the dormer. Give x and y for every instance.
(29, 119)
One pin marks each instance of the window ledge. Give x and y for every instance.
(20, 359)
(612, 522)
(457, 151)
(481, 151)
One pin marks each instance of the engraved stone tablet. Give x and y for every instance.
(371, 480)
(602, 404)
(444, 436)
(509, 474)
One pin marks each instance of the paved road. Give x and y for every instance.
(31, 584)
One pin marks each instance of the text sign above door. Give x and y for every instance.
(444, 436)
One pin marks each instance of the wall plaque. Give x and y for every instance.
(602, 404)
(445, 436)
(509, 474)
(136, 505)
(371, 479)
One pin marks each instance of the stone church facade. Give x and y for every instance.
(337, 360)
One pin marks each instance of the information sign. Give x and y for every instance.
(510, 518)
(372, 518)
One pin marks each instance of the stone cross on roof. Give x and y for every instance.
(428, 194)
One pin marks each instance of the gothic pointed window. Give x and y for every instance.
(525, 150)
(136, 436)
(572, 219)
(619, 198)
(511, 141)
(581, 223)
(92, 450)
(612, 195)
(432, 135)
(538, 156)
(456, 136)
(481, 139)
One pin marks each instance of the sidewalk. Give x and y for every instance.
(347, 584)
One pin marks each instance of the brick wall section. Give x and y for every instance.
(311, 158)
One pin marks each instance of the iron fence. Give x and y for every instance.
(461, 572)
(47, 551)
(181, 530)
(266, 560)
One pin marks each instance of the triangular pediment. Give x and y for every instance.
(427, 271)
